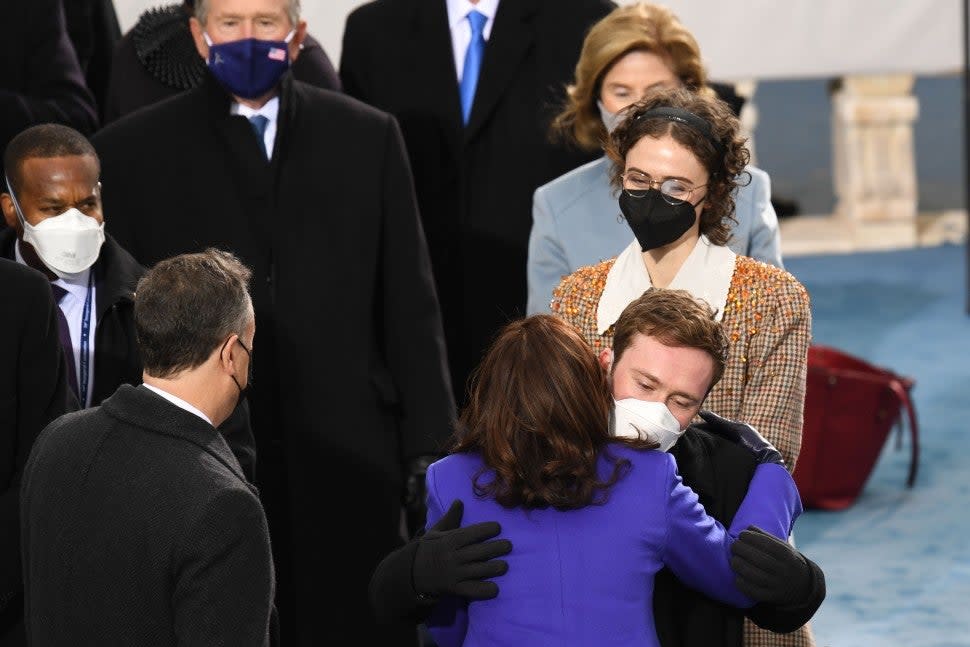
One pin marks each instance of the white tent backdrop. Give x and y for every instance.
(759, 39)
(325, 18)
(768, 39)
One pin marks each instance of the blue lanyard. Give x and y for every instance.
(85, 343)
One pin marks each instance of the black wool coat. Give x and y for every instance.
(94, 31)
(474, 183)
(33, 391)
(40, 78)
(719, 472)
(139, 528)
(349, 364)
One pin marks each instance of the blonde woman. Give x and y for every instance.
(575, 217)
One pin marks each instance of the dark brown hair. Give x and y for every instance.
(185, 306)
(725, 170)
(674, 318)
(538, 414)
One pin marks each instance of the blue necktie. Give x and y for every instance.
(259, 123)
(473, 63)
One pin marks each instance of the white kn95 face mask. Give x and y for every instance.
(646, 420)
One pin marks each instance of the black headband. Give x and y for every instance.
(688, 119)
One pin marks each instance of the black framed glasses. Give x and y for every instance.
(674, 191)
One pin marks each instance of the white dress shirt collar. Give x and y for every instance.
(706, 274)
(458, 12)
(178, 402)
(461, 32)
(270, 110)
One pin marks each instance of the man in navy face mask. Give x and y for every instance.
(157, 59)
(248, 46)
(312, 190)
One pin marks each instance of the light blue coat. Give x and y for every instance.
(576, 221)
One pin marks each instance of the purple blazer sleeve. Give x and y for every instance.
(772, 502)
(448, 621)
(697, 548)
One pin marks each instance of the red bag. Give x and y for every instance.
(850, 407)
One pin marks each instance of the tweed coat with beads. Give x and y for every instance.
(768, 324)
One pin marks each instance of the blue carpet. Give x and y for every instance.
(897, 563)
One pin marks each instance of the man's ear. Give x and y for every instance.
(225, 354)
(606, 359)
(200, 45)
(9, 210)
(296, 44)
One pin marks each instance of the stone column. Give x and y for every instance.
(874, 160)
(749, 114)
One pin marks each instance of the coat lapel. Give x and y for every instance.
(115, 279)
(286, 117)
(249, 170)
(234, 130)
(511, 39)
(431, 38)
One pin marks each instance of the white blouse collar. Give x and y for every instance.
(706, 274)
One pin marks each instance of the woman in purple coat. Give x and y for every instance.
(591, 517)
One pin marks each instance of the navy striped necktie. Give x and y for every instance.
(64, 333)
(259, 124)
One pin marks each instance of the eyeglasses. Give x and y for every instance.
(674, 191)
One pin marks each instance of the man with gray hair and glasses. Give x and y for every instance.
(138, 525)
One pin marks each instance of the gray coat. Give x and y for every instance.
(138, 528)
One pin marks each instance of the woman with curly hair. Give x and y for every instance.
(592, 517)
(677, 159)
(575, 221)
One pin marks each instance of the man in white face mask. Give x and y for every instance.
(668, 353)
(52, 207)
(55, 224)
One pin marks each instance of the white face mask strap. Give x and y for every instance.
(16, 204)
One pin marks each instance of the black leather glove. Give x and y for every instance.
(455, 561)
(415, 494)
(743, 435)
(771, 570)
